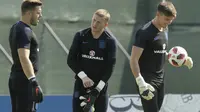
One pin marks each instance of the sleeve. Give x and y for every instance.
(111, 60)
(73, 56)
(140, 39)
(23, 38)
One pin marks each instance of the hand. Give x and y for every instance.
(37, 93)
(89, 100)
(189, 62)
(87, 82)
(145, 89)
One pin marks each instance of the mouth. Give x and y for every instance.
(165, 25)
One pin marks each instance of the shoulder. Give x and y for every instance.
(83, 32)
(146, 30)
(23, 28)
(146, 27)
(79, 35)
(110, 37)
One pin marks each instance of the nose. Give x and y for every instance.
(95, 23)
(170, 22)
(40, 15)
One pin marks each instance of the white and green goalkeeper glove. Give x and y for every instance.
(189, 62)
(146, 90)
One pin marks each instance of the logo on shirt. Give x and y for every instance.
(164, 46)
(84, 42)
(92, 53)
(161, 51)
(92, 56)
(156, 38)
(166, 35)
(101, 44)
(38, 49)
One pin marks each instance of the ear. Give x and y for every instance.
(29, 13)
(157, 13)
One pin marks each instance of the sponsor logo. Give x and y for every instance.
(92, 56)
(161, 51)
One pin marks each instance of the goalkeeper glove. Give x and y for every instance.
(37, 94)
(90, 98)
(145, 89)
(189, 62)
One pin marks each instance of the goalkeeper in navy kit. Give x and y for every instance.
(92, 57)
(25, 92)
(149, 55)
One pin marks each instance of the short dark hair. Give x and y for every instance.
(167, 8)
(29, 5)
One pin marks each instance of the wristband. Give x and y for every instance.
(100, 85)
(140, 81)
(82, 75)
(31, 77)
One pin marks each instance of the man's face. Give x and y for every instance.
(98, 23)
(35, 15)
(164, 21)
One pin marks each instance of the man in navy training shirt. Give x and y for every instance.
(92, 57)
(24, 90)
(149, 55)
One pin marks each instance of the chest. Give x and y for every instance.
(34, 43)
(160, 41)
(94, 47)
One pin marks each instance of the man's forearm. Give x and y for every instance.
(135, 68)
(73, 64)
(27, 67)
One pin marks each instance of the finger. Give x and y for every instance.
(87, 84)
(191, 63)
(145, 97)
(190, 66)
(151, 95)
(84, 84)
(92, 82)
(82, 98)
(151, 88)
(83, 104)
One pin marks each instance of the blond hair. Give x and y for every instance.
(34, 1)
(103, 13)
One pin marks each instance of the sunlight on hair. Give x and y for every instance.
(103, 13)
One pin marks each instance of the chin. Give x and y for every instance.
(165, 26)
(94, 30)
(34, 24)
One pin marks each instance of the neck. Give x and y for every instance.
(157, 25)
(96, 35)
(25, 20)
